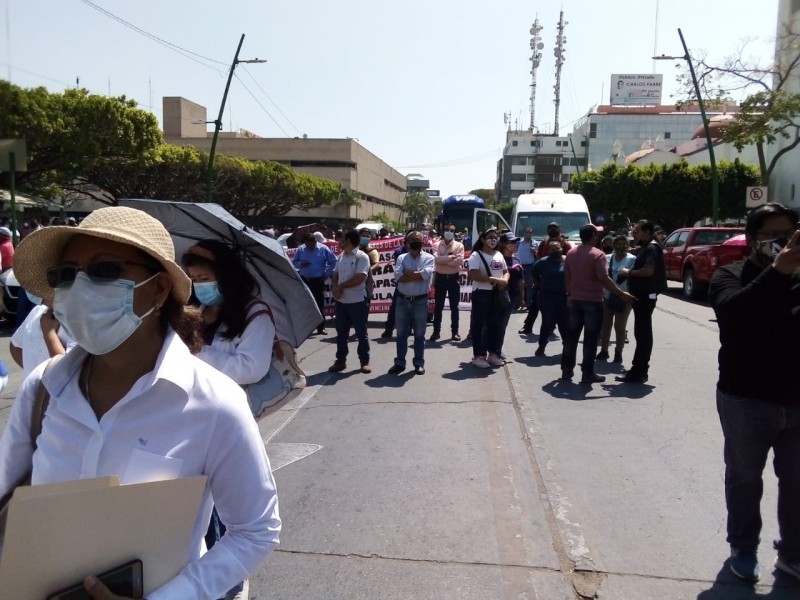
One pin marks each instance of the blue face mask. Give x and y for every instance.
(365, 241)
(208, 293)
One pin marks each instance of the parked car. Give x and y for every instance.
(692, 254)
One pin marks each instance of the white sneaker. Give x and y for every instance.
(495, 360)
(481, 362)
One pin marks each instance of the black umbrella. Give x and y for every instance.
(295, 311)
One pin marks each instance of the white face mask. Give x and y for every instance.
(98, 315)
(448, 235)
(492, 243)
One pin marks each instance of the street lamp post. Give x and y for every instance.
(218, 122)
(706, 128)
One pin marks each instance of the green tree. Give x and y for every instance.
(417, 207)
(488, 195)
(674, 195)
(769, 111)
(67, 133)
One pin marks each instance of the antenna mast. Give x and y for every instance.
(536, 57)
(561, 40)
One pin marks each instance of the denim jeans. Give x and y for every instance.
(643, 332)
(484, 322)
(587, 317)
(353, 314)
(446, 286)
(554, 312)
(411, 315)
(751, 427)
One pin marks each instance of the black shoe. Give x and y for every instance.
(567, 374)
(539, 351)
(396, 369)
(631, 377)
(744, 564)
(434, 336)
(419, 370)
(618, 356)
(387, 334)
(322, 331)
(592, 378)
(455, 338)
(338, 366)
(525, 331)
(602, 355)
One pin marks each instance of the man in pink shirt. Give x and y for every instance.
(585, 277)
(449, 256)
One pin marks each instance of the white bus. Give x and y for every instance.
(548, 205)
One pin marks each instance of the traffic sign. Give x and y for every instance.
(756, 196)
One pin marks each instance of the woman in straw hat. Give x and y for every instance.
(131, 399)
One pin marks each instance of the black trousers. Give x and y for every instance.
(643, 332)
(316, 286)
(446, 287)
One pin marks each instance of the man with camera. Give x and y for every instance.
(757, 303)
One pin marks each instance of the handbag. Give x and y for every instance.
(501, 299)
(284, 375)
(40, 403)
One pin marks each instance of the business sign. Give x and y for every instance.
(636, 90)
(756, 196)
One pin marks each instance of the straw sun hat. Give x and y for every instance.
(42, 249)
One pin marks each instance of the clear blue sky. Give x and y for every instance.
(422, 84)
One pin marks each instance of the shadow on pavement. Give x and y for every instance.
(727, 587)
(466, 372)
(388, 380)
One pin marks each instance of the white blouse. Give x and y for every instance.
(246, 358)
(180, 420)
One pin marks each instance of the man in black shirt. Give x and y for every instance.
(757, 303)
(646, 279)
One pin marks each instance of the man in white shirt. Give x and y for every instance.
(413, 273)
(351, 306)
(449, 256)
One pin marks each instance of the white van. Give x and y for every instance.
(373, 226)
(548, 205)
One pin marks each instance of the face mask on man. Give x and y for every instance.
(98, 315)
(769, 249)
(365, 241)
(449, 235)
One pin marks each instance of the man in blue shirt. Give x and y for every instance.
(413, 274)
(315, 263)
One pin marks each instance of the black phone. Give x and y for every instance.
(125, 580)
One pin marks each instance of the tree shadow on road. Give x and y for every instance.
(727, 587)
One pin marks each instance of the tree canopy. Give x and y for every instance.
(769, 111)
(673, 196)
(78, 141)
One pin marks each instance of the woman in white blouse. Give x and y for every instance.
(132, 400)
(237, 329)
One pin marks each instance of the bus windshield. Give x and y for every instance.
(459, 215)
(569, 223)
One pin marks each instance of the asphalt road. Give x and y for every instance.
(506, 483)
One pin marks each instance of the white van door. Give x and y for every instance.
(483, 219)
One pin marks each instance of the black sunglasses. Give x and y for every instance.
(100, 271)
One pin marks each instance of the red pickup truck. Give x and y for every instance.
(691, 255)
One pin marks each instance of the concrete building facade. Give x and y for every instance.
(534, 160)
(378, 186)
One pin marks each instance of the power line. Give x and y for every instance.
(252, 95)
(13, 68)
(263, 91)
(174, 47)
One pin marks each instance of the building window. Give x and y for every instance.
(583, 143)
(518, 177)
(515, 143)
(667, 135)
(592, 130)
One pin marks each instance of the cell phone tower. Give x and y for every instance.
(558, 51)
(536, 58)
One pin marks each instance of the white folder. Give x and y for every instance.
(57, 534)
